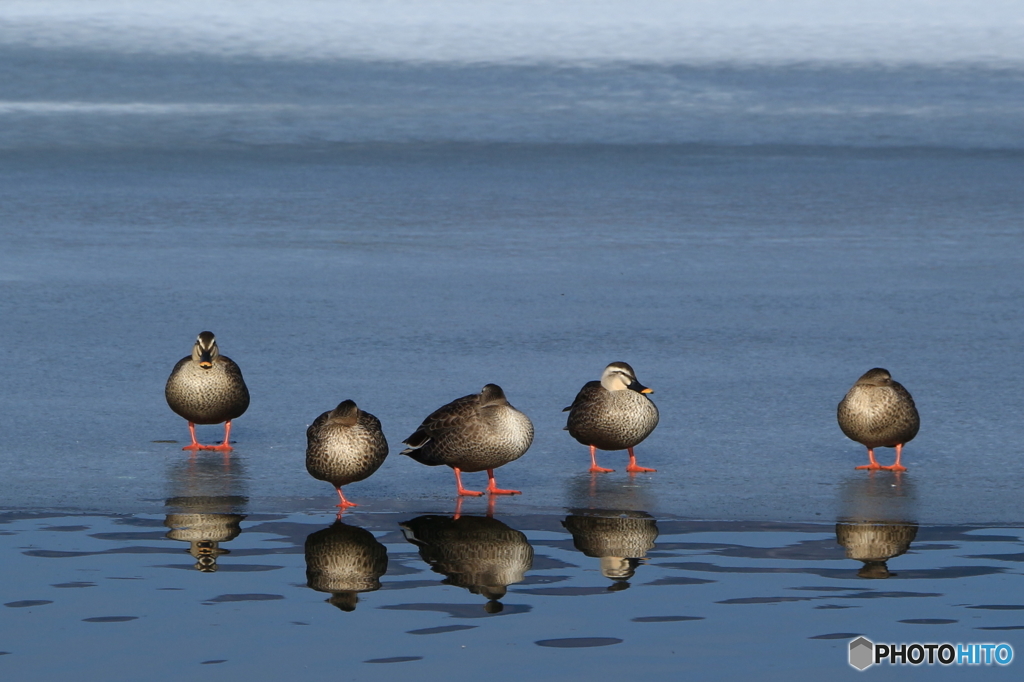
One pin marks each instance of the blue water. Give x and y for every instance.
(399, 202)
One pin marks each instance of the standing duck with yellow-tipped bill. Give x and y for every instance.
(207, 388)
(879, 413)
(477, 432)
(613, 414)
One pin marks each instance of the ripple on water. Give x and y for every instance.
(665, 619)
(243, 597)
(440, 630)
(394, 659)
(928, 621)
(837, 635)
(1003, 627)
(109, 619)
(25, 603)
(460, 610)
(578, 642)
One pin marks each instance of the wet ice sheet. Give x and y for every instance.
(735, 598)
(748, 287)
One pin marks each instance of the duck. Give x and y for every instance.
(204, 532)
(344, 560)
(344, 445)
(619, 538)
(879, 412)
(477, 432)
(874, 544)
(480, 554)
(207, 388)
(614, 413)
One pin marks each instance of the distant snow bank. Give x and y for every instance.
(938, 32)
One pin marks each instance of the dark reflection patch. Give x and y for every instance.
(764, 600)
(460, 610)
(836, 606)
(394, 659)
(837, 635)
(564, 591)
(998, 607)
(440, 630)
(997, 557)
(74, 584)
(226, 568)
(578, 642)
(65, 529)
(887, 595)
(408, 584)
(928, 621)
(544, 563)
(243, 597)
(55, 554)
(1003, 627)
(128, 535)
(665, 619)
(216, 660)
(109, 619)
(677, 580)
(25, 603)
(839, 573)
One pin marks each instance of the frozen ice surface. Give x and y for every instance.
(748, 288)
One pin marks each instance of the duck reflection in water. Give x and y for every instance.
(620, 539)
(344, 560)
(207, 498)
(478, 553)
(876, 524)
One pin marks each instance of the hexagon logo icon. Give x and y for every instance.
(862, 653)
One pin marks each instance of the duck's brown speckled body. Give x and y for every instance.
(480, 554)
(621, 539)
(207, 388)
(344, 560)
(344, 445)
(878, 412)
(875, 543)
(474, 433)
(613, 414)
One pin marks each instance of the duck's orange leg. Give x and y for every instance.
(344, 504)
(495, 490)
(194, 445)
(874, 464)
(226, 444)
(632, 467)
(594, 469)
(897, 466)
(460, 489)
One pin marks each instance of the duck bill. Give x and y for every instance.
(205, 360)
(640, 388)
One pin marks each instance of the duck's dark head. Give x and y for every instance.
(205, 351)
(491, 394)
(875, 377)
(619, 376)
(346, 413)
